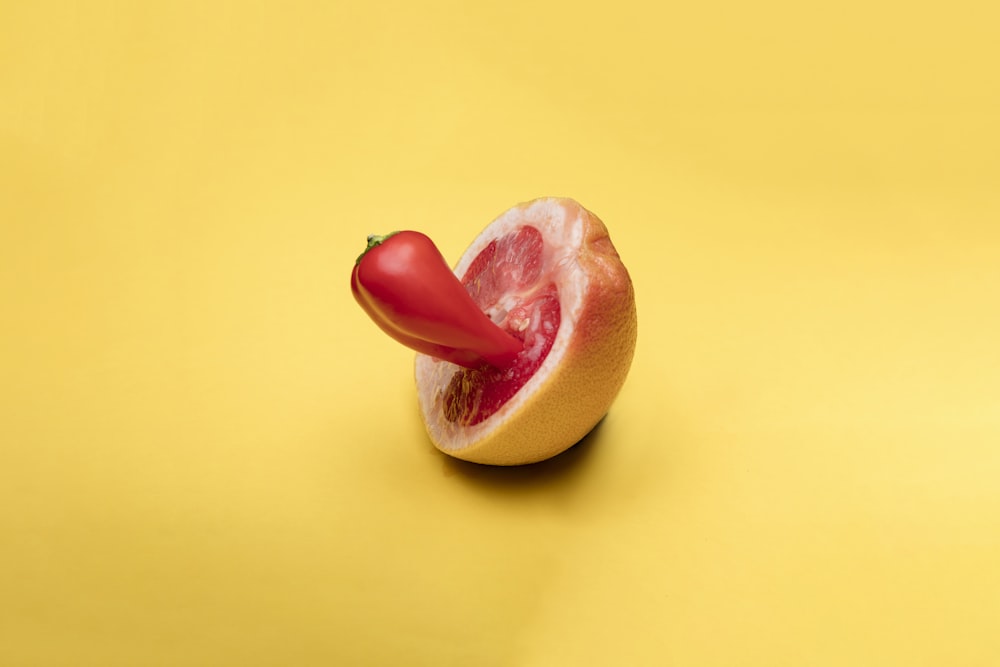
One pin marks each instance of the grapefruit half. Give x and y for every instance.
(547, 272)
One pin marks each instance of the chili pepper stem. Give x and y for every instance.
(374, 240)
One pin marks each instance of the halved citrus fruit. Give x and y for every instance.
(547, 272)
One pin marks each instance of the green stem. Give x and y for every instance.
(374, 240)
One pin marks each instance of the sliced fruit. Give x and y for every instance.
(547, 273)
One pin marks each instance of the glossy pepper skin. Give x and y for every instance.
(405, 285)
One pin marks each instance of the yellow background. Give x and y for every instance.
(208, 456)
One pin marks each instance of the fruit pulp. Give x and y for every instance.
(510, 283)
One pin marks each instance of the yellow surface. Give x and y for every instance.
(208, 456)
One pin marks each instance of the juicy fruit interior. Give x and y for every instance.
(508, 281)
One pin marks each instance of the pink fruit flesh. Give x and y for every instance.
(507, 274)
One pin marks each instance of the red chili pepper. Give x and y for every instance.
(405, 285)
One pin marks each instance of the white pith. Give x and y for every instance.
(562, 237)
